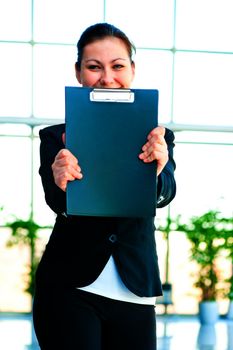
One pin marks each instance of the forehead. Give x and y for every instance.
(108, 46)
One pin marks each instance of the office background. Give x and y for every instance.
(184, 49)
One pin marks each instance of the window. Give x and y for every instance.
(184, 49)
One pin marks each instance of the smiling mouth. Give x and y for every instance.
(110, 86)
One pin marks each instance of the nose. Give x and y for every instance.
(107, 78)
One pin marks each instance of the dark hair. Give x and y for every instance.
(100, 31)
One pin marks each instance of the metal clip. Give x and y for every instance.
(112, 95)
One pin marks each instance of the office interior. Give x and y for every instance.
(185, 50)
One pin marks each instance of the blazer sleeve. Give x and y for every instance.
(166, 185)
(51, 144)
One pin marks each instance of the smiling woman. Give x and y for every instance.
(74, 270)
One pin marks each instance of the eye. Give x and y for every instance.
(94, 67)
(118, 66)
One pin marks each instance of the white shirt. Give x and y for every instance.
(109, 284)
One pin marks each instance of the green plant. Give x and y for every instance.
(208, 235)
(26, 233)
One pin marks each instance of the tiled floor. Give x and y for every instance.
(174, 333)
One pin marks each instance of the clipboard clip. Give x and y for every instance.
(112, 95)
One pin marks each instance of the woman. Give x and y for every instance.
(93, 292)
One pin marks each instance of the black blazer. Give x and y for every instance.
(80, 246)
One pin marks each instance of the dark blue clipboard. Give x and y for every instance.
(105, 130)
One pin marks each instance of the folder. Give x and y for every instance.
(105, 130)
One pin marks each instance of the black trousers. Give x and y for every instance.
(71, 319)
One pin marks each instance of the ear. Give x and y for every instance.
(77, 74)
(133, 69)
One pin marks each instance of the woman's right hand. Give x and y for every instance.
(65, 168)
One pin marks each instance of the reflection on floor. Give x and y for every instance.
(173, 332)
(177, 332)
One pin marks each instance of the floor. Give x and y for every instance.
(185, 333)
(173, 332)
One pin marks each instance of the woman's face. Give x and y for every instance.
(106, 64)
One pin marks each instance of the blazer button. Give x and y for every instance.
(113, 238)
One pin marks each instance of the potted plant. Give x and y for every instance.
(26, 232)
(207, 235)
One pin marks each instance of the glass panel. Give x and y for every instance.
(15, 20)
(15, 82)
(53, 70)
(63, 21)
(15, 185)
(43, 215)
(201, 185)
(203, 88)
(14, 129)
(154, 71)
(204, 137)
(183, 297)
(148, 23)
(204, 177)
(204, 25)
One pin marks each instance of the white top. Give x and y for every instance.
(109, 284)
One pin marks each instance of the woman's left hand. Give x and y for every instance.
(155, 149)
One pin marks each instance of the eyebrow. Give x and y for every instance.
(97, 61)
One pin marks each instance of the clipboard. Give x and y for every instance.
(105, 130)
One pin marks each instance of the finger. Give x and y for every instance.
(74, 172)
(62, 177)
(151, 149)
(65, 158)
(159, 130)
(154, 152)
(65, 163)
(149, 156)
(157, 139)
(63, 167)
(65, 153)
(152, 145)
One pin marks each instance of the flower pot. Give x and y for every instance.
(208, 312)
(206, 336)
(167, 293)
